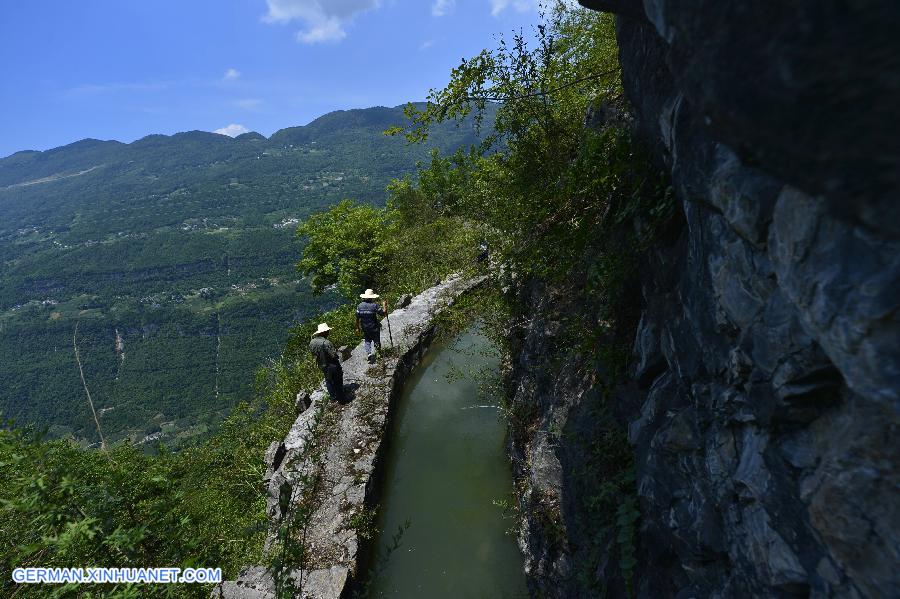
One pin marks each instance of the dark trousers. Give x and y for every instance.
(371, 336)
(334, 382)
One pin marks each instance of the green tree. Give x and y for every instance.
(529, 186)
(347, 245)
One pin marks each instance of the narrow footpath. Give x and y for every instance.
(330, 459)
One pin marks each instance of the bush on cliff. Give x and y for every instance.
(402, 248)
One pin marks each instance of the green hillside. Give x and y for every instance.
(175, 254)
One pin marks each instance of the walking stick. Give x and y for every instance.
(388, 319)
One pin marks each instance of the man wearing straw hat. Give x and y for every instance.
(367, 313)
(329, 362)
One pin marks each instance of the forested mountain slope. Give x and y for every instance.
(175, 255)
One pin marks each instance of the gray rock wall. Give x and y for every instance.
(765, 397)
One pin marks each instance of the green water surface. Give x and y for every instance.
(445, 467)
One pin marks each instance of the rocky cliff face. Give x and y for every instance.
(764, 396)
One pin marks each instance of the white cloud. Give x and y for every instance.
(231, 74)
(324, 20)
(329, 30)
(498, 6)
(426, 44)
(232, 130)
(442, 7)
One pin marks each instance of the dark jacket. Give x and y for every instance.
(324, 351)
(367, 313)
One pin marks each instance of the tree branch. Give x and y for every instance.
(542, 93)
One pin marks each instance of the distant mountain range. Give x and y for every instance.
(175, 255)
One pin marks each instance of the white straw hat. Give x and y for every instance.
(323, 328)
(369, 294)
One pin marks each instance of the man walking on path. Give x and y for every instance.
(367, 313)
(329, 362)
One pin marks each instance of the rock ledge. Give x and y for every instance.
(351, 458)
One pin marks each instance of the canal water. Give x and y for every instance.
(446, 467)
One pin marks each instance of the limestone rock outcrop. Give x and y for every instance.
(764, 401)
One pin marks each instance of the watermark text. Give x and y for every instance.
(116, 575)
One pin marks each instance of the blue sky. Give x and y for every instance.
(122, 69)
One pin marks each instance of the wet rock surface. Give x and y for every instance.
(764, 401)
(346, 468)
